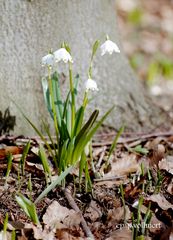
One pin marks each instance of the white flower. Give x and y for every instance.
(109, 47)
(62, 54)
(48, 60)
(91, 85)
(135, 204)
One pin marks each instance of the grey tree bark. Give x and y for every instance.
(30, 28)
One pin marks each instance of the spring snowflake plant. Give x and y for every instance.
(73, 132)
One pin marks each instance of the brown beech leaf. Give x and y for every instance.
(57, 216)
(160, 200)
(156, 225)
(158, 155)
(43, 234)
(127, 164)
(10, 149)
(167, 164)
(93, 212)
(116, 215)
(65, 235)
(120, 234)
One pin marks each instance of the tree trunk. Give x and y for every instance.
(30, 28)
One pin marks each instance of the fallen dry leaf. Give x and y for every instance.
(57, 216)
(43, 234)
(158, 154)
(160, 200)
(120, 234)
(127, 164)
(116, 215)
(156, 225)
(93, 212)
(10, 149)
(64, 235)
(167, 164)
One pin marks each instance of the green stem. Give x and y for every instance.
(123, 201)
(53, 102)
(85, 99)
(72, 97)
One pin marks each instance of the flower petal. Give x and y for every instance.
(62, 55)
(90, 84)
(48, 60)
(109, 47)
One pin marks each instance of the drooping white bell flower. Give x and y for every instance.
(62, 54)
(90, 84)
(109, 47)
(48, 60)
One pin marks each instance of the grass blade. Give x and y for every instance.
(44, 161)
(23, 158)
(9, 165)
(54, 184)
(79, 121)
(82, 166)
(114, 143)
(87, 126)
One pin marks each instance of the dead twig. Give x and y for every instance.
(109, 178)
(131, 139)
(135, 134)
(72, 203)
(101, 158)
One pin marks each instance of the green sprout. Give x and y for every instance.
(9, 166)
(139, 224)
(56, 182)
(45, 163)
(114, 144)
(159, 182)
(23, 158)
(13, 235)
(139, 149)
(5, 223)
(123, 201)
(28, 207)
(30, 187)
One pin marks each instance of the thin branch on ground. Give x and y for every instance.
(72, 203)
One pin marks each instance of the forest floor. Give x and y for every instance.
(132, 195)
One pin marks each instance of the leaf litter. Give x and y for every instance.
(134, 165)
